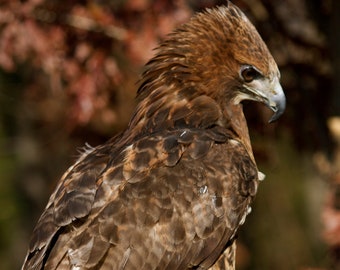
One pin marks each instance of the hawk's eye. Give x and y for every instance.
(249, 73)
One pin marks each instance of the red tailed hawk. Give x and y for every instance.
(171, 191)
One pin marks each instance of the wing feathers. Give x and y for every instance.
(182, 212)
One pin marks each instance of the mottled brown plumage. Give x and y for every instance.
(170, 191)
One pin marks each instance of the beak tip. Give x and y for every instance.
(279, 108)
(274, 117)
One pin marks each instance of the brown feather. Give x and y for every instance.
(170, 191)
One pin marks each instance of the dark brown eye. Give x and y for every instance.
(249, 73)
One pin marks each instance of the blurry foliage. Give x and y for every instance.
(78, 54)
(68, 73)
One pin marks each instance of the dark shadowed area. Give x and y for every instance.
(68, 76)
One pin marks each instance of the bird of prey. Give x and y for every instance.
(171, 191)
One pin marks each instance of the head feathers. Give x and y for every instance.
(201, 57)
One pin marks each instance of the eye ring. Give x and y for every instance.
(249, 73)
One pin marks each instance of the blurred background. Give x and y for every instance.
(69, 73)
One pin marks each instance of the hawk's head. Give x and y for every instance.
(218, 54)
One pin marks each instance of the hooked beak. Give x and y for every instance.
(276, 101)
(267, 91)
